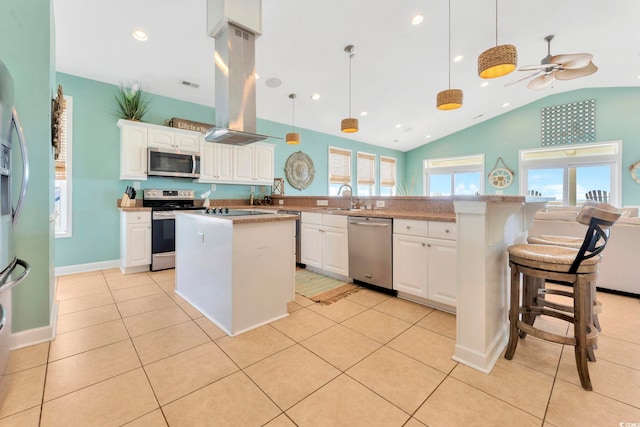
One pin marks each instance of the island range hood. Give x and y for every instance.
(234, 29)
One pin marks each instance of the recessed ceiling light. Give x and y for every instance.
(484, 84)
(364, 113)
(458, 58)
(428, 136)
(315, 96)
(417, 19)
(140, 35)
(506, 104)
(398, 125)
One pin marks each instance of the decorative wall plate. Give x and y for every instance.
(299, 170)
(500, 177)
(635, 171)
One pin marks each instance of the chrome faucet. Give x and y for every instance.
(350, 194)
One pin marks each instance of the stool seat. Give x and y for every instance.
(548, 239)
(551, 258)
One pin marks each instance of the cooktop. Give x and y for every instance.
(232, 212)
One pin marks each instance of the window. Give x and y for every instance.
(387, 176)
(454, 176)
(339, 169)
(62, 187)
(568, 173)
(366, 174)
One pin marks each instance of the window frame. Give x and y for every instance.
(453, 169)
(66, 195)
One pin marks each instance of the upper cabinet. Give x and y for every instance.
(216, 163)
(133, 150)
(253, 163)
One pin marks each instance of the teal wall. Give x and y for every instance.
(26, 48)
(617, 112)
(96, 165)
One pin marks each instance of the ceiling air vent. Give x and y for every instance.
(190, 84)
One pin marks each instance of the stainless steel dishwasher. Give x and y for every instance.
(370, 250)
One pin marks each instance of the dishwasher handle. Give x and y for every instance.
(371, 224)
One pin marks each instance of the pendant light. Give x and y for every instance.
(497, 61)
(293, 137)
(349, 125)
(449, 99)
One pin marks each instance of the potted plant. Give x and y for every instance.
(133, 102)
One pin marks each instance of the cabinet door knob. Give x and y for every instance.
(424, 244)
(446, 231)
(408, 227)
(429, 245)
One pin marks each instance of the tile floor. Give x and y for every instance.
(129, 351)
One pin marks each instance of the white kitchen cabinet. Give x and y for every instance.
(161, 138)
(216, 162)
(253, 164)
(168, 138)
(187, 141)
(325, 242)
(424, 260)
(135, 241)
(133, 150)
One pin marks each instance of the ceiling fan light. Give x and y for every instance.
(293, 138)
(497, 61)
(349, 125)
(449, 99)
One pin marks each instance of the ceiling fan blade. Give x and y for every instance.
(541, 82)
(536, 67)
(528, 76)
(572, 60)
(576, 73)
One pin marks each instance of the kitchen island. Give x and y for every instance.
(238, 271)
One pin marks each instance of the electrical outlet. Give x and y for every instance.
(281, 202)
(136, 185)
(499, 192)
(379, 203)
(322, 203)
(253, 188)
(213, 187)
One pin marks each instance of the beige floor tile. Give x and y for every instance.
(338, 311)
(345, 402)
(110, 273)
(210, 328)
(84, 369)
(455, 403)
(571, 405)
(377, 326)
(368, 297)
(192, 312)
(67, 278)
(81, 287)
(115, 401)
(28, 418)
(303, 301)
(522, 387)
(440, 322)
(152, 419)
(293, 306)
(24, 390)
(136, 292)
(281, 421)
(150, 321)
(72, 305)
(621, 330)
(168, 341)
(142, 305)
(402, 309)
(80, 340)
(86, 318)
(190, 370)
(341, 346)
(612, 380)
(250, 347)
(27, 358)
(175, 297)
(619, 307)
(163, 275)
(618, 351)
(302, 324)
(400, 379)
(291, 375)
(129, 281)
(167, 285)
(537, 354)
(428, 347)
(232, 401)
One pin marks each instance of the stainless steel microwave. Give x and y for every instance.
(163, 162)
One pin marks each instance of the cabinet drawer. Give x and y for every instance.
(443, 230)
(411, 227)
(311, 218)
(138, 217)
(339, 221)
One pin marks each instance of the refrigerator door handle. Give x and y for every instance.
(8, 285)
(25, 166)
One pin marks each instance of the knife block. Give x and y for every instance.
(126, 202)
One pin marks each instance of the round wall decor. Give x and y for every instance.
(635, 171)
(500, 177)
(299, 170)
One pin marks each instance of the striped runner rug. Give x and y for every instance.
(320, 288)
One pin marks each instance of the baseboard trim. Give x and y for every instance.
(36, 335)
(83, 268)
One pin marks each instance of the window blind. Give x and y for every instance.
(366, 168)
(61, 161)
(339, 166)
(387, 172)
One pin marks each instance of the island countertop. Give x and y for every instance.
(269, 216)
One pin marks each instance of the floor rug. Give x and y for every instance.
(323, 289)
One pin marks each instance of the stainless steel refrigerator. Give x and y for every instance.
(12, 269)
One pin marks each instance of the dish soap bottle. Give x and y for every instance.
(251, 199)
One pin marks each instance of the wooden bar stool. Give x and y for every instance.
(577, 267)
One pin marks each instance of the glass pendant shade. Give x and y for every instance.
(449, 99)
(497, 61)
(349, 125)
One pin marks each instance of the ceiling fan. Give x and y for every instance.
(557, 67)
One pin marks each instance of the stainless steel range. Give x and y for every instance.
(164, 204)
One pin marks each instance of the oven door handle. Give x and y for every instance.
(163, 215)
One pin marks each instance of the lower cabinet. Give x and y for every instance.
(424, 260)
(325, 242)
(135, 241)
